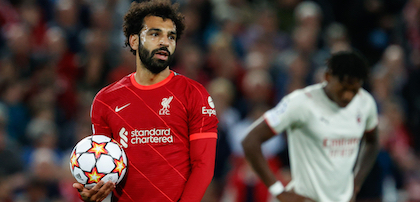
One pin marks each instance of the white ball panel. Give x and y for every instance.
(79, 175)
(89, 186)
(87, 161)
(114, 150)
(113, 177)
(105, 164)
(100, 138)
(84, 145)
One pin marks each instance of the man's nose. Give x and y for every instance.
(164, 41)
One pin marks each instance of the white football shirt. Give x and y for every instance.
(323, 140)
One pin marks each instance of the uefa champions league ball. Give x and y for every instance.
(97, 158)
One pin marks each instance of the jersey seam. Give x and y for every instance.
(202, 118)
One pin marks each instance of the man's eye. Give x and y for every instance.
(155, 34)
(171, 37)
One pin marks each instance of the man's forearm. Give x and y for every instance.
(197, 184)
(367, 157)
(257, 161)
(253, 153)
(203, 154)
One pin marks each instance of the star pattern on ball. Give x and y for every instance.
(98, 149)
(119, 166)
(73, 160)
(94, 176)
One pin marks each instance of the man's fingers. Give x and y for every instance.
(97, 187)
(103, 191)
(97, 193)
(106, 190)
(93, 192)
(109, 186)
(78, 186)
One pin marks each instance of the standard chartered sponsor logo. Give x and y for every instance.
(151, 136)
(124, 139)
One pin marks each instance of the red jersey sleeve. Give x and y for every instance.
(98, 117)
(202, 114)
(202, 136)
(202, 154)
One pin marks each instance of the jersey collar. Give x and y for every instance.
(150, 87)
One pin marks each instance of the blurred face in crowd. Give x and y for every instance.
(18, 40)
(342, 91)
(157, 42)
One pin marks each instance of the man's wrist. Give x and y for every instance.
(276, 189)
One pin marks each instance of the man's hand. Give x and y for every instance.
(292, 197)
(98, 193)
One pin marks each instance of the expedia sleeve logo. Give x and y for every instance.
(209, 111)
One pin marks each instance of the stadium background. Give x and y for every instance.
(56, 54)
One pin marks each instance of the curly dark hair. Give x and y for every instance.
(348, 63)
(134, 18)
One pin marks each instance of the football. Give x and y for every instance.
(97, 158)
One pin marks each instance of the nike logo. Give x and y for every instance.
(119, 109)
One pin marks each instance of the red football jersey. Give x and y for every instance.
(155, 125)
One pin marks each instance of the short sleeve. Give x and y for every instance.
(288, 112)
(202, 120)
(372, 116)
(98, 117)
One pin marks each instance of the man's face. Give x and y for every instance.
(342, 91)
(157, 43)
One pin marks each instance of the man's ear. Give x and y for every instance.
(327, 75)
(134, 41)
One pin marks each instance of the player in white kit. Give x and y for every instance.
(325, 125)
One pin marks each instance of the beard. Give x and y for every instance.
(154, 65)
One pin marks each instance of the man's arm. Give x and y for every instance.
(367, 156)
(259, 133)
(202, 154)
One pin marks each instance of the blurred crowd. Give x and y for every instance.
(55, 55)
